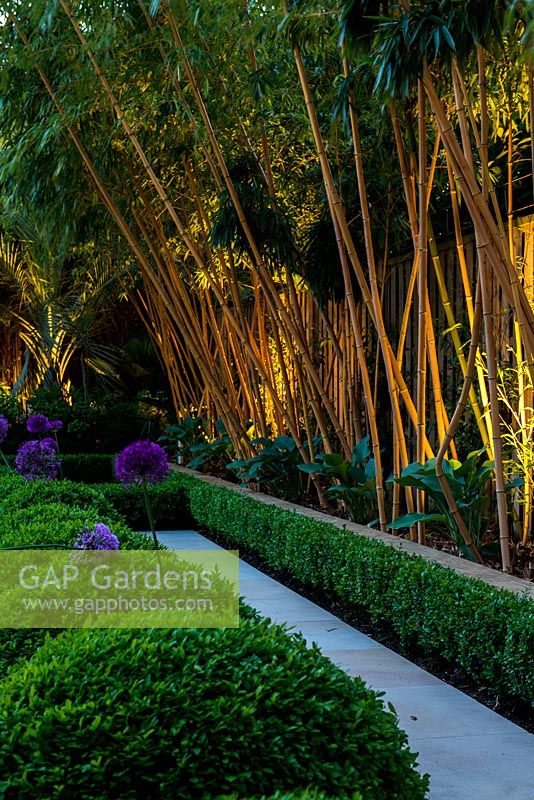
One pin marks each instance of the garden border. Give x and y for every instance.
(436, 605)
(469, 569)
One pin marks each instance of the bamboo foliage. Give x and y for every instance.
(238, 330)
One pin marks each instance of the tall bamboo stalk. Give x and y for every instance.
(487, 316)
(455, 420)
(422, 298)
(366, 383)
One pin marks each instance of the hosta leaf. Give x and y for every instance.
(416, 516)
(309, 469)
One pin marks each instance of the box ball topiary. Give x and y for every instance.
(195, 713)
(43, 523)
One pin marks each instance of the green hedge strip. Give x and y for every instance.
(489, 632)
(168, 501)
(85, 467)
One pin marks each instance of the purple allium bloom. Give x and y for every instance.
(55, 425)
(100, 538)
(38, 423)
(4, 427)
(141, 462)
(49, 442)
(38, 460)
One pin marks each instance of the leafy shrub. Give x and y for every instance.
(166, 499)
(468, 482)
(212, 454)
(9, 482)
(275, 467)
(33, 514)
(195, 713)
(57, 523)
(187, 432)
(16, 493)
(307, 794)
(357, 480)
(88, 468)
(466, 622)
(103, 423)
(19, 644)
(112, 499)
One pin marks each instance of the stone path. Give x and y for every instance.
(471, 752)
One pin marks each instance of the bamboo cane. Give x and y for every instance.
(455, 420)
(483, 221)
(271, 294)
(422, 297)
(487, 317)
(368, 397)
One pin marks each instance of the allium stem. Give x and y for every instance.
(60, 463)
(6, 462)
(149, 514)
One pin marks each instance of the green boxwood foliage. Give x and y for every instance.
(31, 514)
(58, 523)
(195, 713)
(168, 504)
(17, 494)
(168, 501)
(307, 794)
(488, 632)
(88, 468)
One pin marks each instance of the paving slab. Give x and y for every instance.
(497, 767)
(382, 668)
(471, 752)
(185, 540)
(330, 638)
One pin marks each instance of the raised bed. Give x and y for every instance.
(469, 615)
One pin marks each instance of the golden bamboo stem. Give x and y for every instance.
(422, 299)
(455, 420)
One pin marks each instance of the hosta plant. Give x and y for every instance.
(213, 454)
(356, 487)
(469, 484)
(185, 434)
(275, 467)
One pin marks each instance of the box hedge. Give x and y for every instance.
(84, 467)
(59, 523)
(88, 467)
(489, 632)
(195, 713)
(167, 499)
(30, 514)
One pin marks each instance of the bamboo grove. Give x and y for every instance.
(253, 166)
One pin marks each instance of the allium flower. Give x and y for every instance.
(38, 460)
(100, 538)
(55, 425)
(4, 427)
(140, 463)
(49, 442)
(38, 423)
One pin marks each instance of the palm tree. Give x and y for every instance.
(57, 304)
